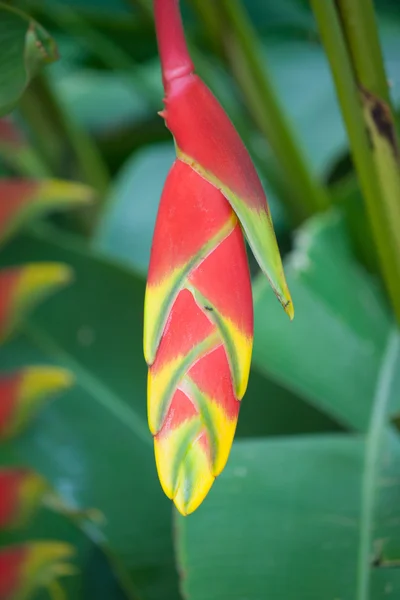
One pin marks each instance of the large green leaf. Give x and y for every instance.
(269, 409)
(331, 353)
(24, 47)
(283, 523)
(93, 445)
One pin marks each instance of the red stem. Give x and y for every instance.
(174, 54)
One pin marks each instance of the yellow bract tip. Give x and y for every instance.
(289, 309)
(36, 384)
(56, 191)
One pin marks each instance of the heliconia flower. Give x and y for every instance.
(21, 491)
(21, 200)
(24, 287)
(26, 567)
(198, 322)
(23, 392)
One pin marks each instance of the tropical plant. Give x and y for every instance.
(308, 505)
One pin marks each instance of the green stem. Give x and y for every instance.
(24, 160)
(52, 127)
(208, 14)
(29, 164)
(376, 200)
(359, 24)
(249, 69)
(48, 145)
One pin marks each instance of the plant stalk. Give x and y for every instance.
(245, 57)
(360, 28)
(175, 59)
(383, 216)
(53, 127)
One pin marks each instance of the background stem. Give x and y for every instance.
(54, 130)
(360, 28)
(248, 67)
(377, 202)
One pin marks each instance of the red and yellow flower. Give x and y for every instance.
(198, 325)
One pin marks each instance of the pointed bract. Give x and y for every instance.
(26, 567)
(198, 334)
(21, 200)
(24, 287)
(10, 136)
(21, 491)
(23, 392)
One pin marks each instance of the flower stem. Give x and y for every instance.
(174, 54)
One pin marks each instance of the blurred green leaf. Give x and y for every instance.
(93, 445)
(126, 229)
(331, 353)
(106, 6)
(269, 15)
(24, 47)
(102, 100)
(283, 522)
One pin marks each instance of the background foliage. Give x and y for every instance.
(309, 504)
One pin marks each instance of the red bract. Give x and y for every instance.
(23, 199)
(26, 567)
(20, 493)
(11, 562)
(23, 392)
(9, 134)
(198, 308)
(22, 287)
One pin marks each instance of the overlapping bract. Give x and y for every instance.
(198, 308)
(21, 491)
(198, 334)
(222, 159)
(22, 200)
(23, 287)
(24, 391)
